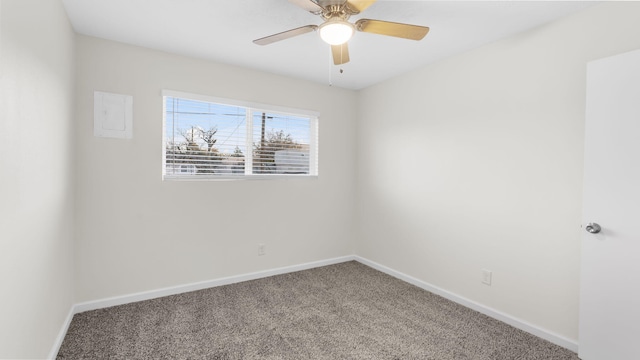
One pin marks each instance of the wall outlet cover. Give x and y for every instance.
(486, 277)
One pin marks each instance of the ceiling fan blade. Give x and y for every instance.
(340, 54)
(285, 35)
(405, 31)
(360, 5)
(308, 5)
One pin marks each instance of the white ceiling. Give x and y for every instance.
(223, 30)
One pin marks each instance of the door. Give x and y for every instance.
(610, 269)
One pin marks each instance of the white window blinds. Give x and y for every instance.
(210, 139)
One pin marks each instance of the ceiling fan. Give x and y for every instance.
(336, 30)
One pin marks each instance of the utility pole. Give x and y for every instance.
(262, 143)
(264, 125)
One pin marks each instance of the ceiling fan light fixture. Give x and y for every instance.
(336, 31)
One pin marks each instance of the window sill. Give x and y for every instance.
(238, 178)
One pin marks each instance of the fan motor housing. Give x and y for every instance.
(337, 11)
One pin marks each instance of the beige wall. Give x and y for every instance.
(475, 163)
(136, 232)
(36, 175)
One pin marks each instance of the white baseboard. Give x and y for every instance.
(152, 294)
(61, 334)
(496, 314)
(173, 290)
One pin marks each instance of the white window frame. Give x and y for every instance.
(251, 108)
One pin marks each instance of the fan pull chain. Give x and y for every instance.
(330, 67)
(331, 63)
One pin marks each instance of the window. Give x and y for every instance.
(208, 138)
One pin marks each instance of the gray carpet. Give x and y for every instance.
(344, 311)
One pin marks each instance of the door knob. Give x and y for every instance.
(593, 228)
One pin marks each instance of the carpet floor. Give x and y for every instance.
(343, 311)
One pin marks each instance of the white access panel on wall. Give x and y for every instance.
(112, 115)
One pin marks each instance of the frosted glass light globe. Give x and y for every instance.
(336, 31)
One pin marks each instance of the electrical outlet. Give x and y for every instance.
(261, 249)
(486, 277)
